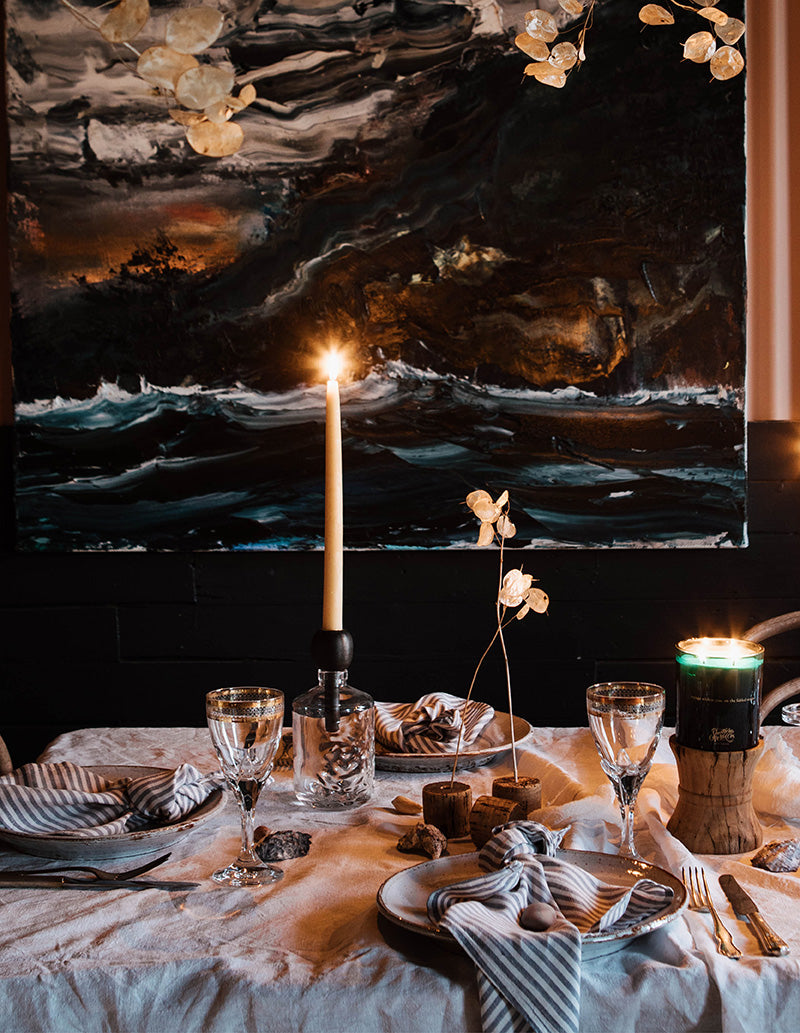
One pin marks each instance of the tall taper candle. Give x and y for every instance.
(334, 519)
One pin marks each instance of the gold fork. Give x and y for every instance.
(700, 900)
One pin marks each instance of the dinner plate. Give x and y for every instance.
(120, 844)
(403, 897)
(494, 740)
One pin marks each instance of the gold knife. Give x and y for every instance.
(769, 941)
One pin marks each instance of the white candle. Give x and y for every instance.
(334, 519)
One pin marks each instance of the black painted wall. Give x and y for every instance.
(137, 639)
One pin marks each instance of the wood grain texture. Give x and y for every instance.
(714, 813)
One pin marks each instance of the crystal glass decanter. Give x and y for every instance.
(333, 736)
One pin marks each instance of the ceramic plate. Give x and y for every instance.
(122, 844)
(494, 740)
(403, 897)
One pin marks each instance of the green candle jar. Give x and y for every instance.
(719, 693)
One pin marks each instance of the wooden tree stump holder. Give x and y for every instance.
(714, 813)
(488, 813)
(447, 805)
(525, 790)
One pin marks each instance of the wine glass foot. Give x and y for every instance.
(237, 875)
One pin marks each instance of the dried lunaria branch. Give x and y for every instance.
(553, 61)
(515, 589)
(203, 90)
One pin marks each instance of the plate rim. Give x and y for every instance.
(663, 917)
(412, 760)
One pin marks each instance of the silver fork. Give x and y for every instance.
(96, 873)
(700, 900)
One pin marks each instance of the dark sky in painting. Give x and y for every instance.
(403, 191)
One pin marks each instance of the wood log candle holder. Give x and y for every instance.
(526, 791)
(714, 813)
(447, 805)
(488, 813)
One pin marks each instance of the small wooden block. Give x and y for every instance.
(488, 813)
(527, 791)
(446, 805)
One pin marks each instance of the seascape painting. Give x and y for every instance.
(536, 289)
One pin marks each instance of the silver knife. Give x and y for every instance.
(769, 941)
(19, 879)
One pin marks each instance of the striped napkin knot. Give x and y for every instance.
(530, 981)
(519, 839)
(68, 799)
(431, 725)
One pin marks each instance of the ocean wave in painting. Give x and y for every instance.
(474, 241)
(234, 468)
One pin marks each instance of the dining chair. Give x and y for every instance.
(5, 759)
(767, 629)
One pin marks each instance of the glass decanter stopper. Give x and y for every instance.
(333, 736)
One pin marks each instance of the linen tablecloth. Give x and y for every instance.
(310, 954)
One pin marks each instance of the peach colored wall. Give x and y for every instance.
(773, 219)
(773, 189)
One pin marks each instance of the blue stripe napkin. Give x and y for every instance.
(71, 800)
(530, 981)
(431, 725)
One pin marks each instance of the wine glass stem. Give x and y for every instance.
(626, 794)
(247, 795)
(626, 847)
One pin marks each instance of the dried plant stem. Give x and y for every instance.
(505, 660)
(500, 610)
(510, 705)
(82, 17)
(686, 7)
(587, 24)
(466, 704)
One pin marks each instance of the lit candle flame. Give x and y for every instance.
(334, 365)
(732, 651)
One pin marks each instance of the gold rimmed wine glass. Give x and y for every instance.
(625, 719)
(245, 722)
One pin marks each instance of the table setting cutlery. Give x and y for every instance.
(700, 900)
(30, 881)
(745, 907)
(88, 877)
(96, 873)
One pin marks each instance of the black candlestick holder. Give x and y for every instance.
(332, 651)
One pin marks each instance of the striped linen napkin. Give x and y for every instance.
(431, 725)
(530, 981)
(70, 800)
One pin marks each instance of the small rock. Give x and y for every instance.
(423, 839)
(778, 856)
(281, 846)
(537, 917)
